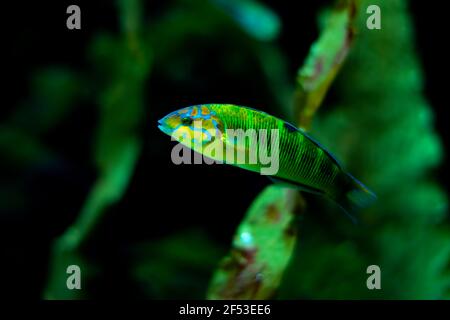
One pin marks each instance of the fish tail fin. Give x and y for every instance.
(354, 196)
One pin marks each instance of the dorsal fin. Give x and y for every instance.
(291, 128)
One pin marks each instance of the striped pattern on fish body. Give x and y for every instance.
(301, 160)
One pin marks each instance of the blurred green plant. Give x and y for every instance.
(382, 129)
(324, 60)
(262, 248)
(125, 63)
(257, 20)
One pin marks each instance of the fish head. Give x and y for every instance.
(195, 126)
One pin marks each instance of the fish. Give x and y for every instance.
(303, 163)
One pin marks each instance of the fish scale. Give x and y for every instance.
(299, 158)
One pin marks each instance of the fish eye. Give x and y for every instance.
(186, 121)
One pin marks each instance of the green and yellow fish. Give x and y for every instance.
(224, 132)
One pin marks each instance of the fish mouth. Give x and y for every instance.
(164, 128)
(160, 125)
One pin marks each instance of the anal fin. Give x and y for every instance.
(299, 186)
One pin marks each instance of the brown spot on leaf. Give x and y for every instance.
(273, 214)
(290, 231)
